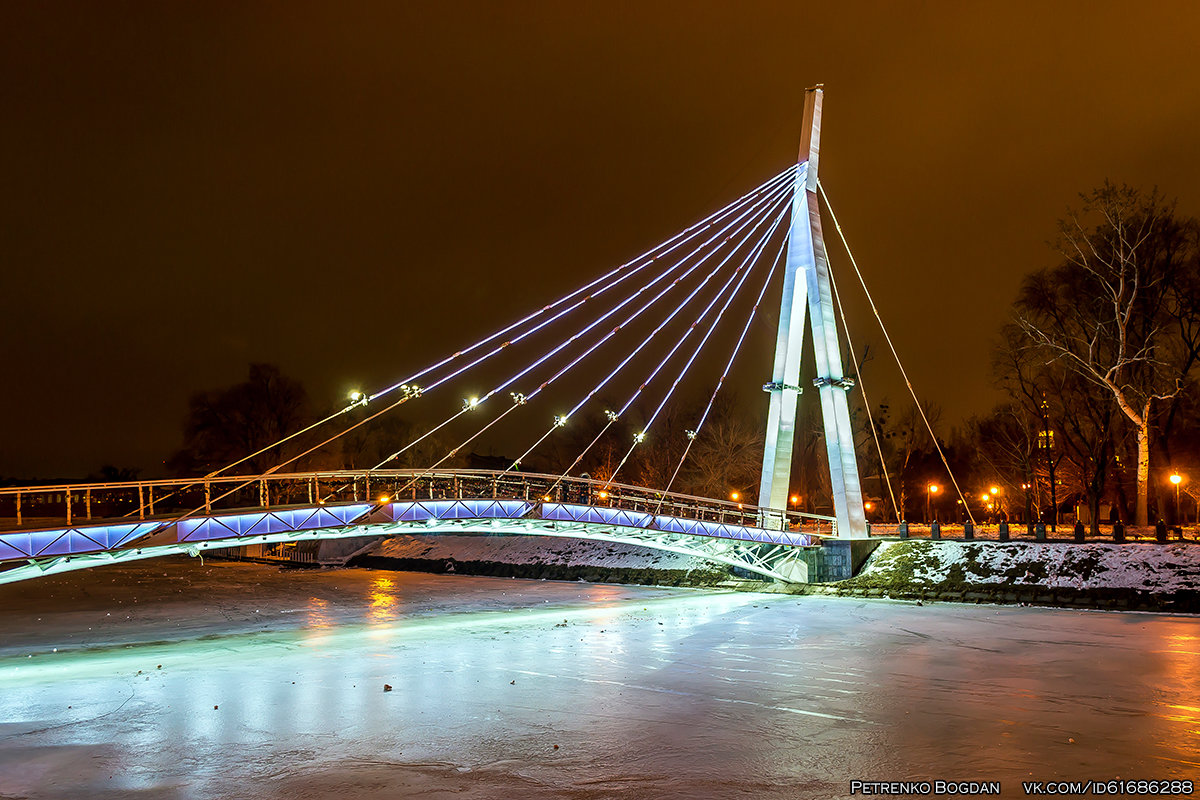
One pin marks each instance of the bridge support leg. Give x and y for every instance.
(807, 283)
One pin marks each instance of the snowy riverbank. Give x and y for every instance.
(1100, 575)
(1095, 574)
(550, 557)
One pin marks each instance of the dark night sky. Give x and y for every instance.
(348, 190)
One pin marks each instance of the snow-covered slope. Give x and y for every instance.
(532, 550)
(1164, 569)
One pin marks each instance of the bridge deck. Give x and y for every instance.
(458, 500)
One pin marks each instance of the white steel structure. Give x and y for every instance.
(806, 288)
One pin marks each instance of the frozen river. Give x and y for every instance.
(174, 680)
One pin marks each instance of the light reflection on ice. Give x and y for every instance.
(489, 674)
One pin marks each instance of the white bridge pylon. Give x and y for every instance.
(807, 293)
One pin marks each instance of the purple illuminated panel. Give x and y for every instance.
(287, 520)
(70, 541)
(425, 510)
(604, 515)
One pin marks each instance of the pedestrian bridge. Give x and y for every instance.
(135, 520)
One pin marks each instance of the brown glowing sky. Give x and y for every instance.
(338, 188)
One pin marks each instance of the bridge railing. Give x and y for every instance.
(27, 507)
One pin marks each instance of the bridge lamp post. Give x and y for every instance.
(1177, 479)
(933, 489)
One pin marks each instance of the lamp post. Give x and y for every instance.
(1048, 442)
(1177, 479)
(933, 489)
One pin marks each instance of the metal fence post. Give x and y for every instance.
(141, 502)
(18, 508)
(150, 489)
(68, 506)
(207, 498)
(87, 502)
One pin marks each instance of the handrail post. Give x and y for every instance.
(18, 508)
(264, 493)
(141, 502)
(367, 485)
(150, 489)
(207, 497)
(68, 506)
(87, 501)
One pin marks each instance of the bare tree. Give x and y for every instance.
(225, 425)
(1101, 313)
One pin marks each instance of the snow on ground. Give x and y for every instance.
(1147, 567)
(533, 550)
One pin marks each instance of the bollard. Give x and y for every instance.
(935, 530)
(1039, 532)
(1004, 531)
(968, 530)
(903, 530)
(1119, 532)
(1160, 532)
(1178, 531)
(1078, 531)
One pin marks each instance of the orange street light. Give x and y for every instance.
(734, 496)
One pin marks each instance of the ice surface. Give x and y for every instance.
(646, 692)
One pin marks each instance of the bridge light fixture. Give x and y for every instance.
(1176, 478)
(470, 403)
(560, 420)
(546, 498)
(383, 498)
(638, 438)
(612, 415)
(602, 495)
(356, 396)
(796, 499)
(734, 496)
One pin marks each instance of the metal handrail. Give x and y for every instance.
(422, 484)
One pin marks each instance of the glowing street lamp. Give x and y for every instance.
(933, 489)
(734, 496)
(1177, 479)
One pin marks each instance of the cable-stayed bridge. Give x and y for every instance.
(639, 332)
